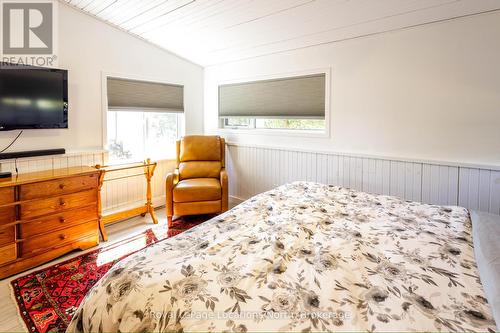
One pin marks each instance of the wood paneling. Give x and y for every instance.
(473, 188)
(440, 184)
(116, 195)
(125, 214)
(216, 31)
(480, 189)
(257, 169)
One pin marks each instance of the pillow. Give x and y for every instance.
(200, 169)
(486, 236)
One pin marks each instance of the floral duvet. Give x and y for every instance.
(301, 257)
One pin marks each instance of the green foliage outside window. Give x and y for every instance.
(300, 124)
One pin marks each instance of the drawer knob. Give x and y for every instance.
(62, 219)
(62, 202)
(63, 236)
(61, 186)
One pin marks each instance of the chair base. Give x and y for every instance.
(170, 219)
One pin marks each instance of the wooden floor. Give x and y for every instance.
(10, 321)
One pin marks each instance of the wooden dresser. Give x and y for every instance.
(46, 214)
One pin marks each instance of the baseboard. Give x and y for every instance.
(158, 202)
(233, 200)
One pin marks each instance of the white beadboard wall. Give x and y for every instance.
(117, 194)
(255, 169)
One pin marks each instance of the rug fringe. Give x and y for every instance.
(151, 236)
(19, 316)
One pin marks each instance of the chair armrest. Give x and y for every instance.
(171, 181)
(225, 190)
(176, 176)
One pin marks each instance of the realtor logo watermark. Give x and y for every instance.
(28, 35)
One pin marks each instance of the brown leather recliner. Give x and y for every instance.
(199, 184)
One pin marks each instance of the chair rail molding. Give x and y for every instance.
(476, 187)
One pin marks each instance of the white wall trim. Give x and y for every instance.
(378, 157)
(271, 132)
(431, 183)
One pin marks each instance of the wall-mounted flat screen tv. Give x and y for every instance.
(33, 97)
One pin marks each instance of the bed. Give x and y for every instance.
(301, 257)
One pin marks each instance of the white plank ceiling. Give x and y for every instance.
(211, 32)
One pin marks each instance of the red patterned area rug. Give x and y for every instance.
(48, 298)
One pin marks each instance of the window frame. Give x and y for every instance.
(326, 133)
(254, 126)
(235, 127)
(181, 121)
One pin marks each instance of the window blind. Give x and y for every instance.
(292, 97)
(126, 94)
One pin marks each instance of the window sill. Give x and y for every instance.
(276, 132)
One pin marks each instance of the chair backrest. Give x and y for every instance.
(200, 156)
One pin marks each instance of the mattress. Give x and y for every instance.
(301, 257)
(486, 233)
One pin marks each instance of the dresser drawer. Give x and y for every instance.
(57, 187)
(57, 221)
(47, 242)
(57, 204)
(7, 215)
(6, 195)
(8, 253)
(7, 235)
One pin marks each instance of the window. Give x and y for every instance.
(144, 119)
(136, 135)
(236, 123)
(294, 124)
(292, 103)
(288, 124)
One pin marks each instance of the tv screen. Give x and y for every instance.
(33, 97)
